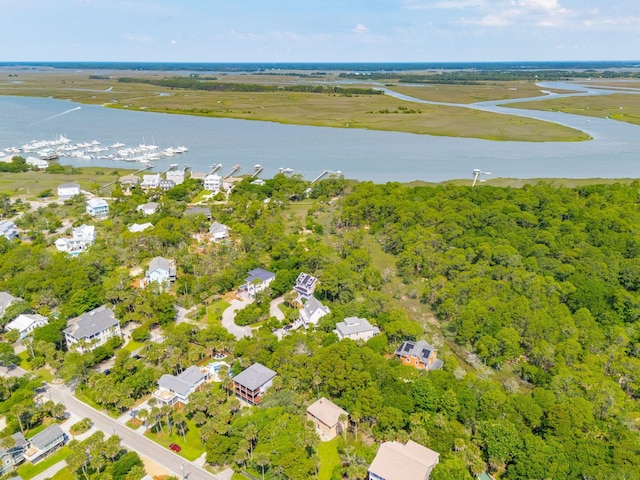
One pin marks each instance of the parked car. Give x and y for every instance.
(175, 447)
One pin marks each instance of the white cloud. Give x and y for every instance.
(360, 28)
(137, 38)
(443, 4)
(173, 42)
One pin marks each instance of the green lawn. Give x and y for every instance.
(63, 474)
(192, 448)
(214, 311)
(329, 458)
(132, 346)
(29, 470)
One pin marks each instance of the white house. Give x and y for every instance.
(258, 280)
(25, 323)
(148, 208)
(305, 285)
(37, 163)
(44, 442)
(176, 175)
(173, 389)
(97, 207)
(213, 182)
(150, 181)
(161, 270)
(312, 311)
(8, 230)
(82, 237)
(356, 329)
(68, 190)
(218, 231)
(91, 329)
(395, 461)
(6, 299)
(140, 227)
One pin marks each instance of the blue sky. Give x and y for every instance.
(319, 30)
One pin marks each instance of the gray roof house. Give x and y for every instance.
(356, 329)
(8, 230)
(10, 457)
(44, 442)
(174, 389)
(218, 231)
(312, 311)
(161, 270)
(91, 329)
(419, 355)
(6, 299)
(206, 211)
(251, 384)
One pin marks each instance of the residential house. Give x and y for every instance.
(25, 323)
(305, 285)
(161, 270)
(10, 457)
(140, 227)
(165, 185)
(206, 211)
(198, 176)
(6, 299)
(251, 384)
(150, 181)
(419, 355)
(8, 230)
(312, 311)
(148, 208)
(38, 163)
(395, 461)
(129, 181)
(213, 182)
(356, 329)
(258, 280)
(82, 237)
(68, 190)
(45, 442)
(91, 329)
(326, 417)
(174, 390)
(97, 207)
(177, 176)
(218, 231)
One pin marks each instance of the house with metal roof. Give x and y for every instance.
(312, 311)
(327, 417)
(150, 181)
(305, 285)
(92, 329)
(68, 190)
(12, 456)
(97, 207)
(175, 389)
(206, 211)
(258, 280)
(8, 230)
(161, 270)
(139, 227)
(26, 323)
(6, 299)
(148, 208)
(45, 442)
(356, 329)
(251, 384)
(419, 355)
(395, 461)
(218, 231)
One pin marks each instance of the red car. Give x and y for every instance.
(175, 447)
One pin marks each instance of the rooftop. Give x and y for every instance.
(254, 377)
(355, 325)
(259, 274)
(326, 411)
(395, 461)
(91, 323)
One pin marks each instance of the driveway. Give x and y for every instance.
(229, 315)
(274, 309)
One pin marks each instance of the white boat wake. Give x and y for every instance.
(57, 115)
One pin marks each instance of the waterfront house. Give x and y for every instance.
(6, 299)
(10, 457)
(326, 417)
(165, 185)
(200, 176)
(150, 181)
(258, 280)
(45, 442)
(312, 311)
(8, 230)
(25, 323)
(148, 208)
(161, 270)
(82, 237)
(177, 176)
(395, 461)
(251, 384)
(38, 163)
(97, 207)
(419, 355)
(91, 329)
(305, 285)
(356, 329)
(174, 390)
(129, 181)
(213, 182)
(218, 231)
(68, 190)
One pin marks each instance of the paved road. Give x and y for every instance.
(230, 314)
(132, 440)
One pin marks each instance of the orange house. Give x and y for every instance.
(419, 355)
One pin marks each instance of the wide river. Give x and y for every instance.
(378, 156)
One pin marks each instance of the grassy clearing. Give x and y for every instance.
(329, 458)
(192, 448)
(619, 106)
(214, 311)
(132, 346)
(375, 112)
(30, 470)
(64, 474)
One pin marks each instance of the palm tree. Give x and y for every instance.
(250, 434)
(261, 460)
